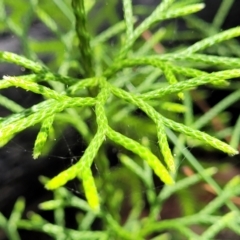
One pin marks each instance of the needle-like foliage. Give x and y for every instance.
(89, 76)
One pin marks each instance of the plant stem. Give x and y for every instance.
(83, 37)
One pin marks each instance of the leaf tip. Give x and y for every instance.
(233, 153)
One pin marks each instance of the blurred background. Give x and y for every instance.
(19, 172)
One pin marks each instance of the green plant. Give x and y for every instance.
(115, 81)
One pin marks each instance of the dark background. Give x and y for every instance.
(18, 171)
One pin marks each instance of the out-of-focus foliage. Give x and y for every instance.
(121, 73)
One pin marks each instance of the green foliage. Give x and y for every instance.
(90, 77)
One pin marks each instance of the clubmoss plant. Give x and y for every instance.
(89, 77)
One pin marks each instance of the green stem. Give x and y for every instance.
(83, 37)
